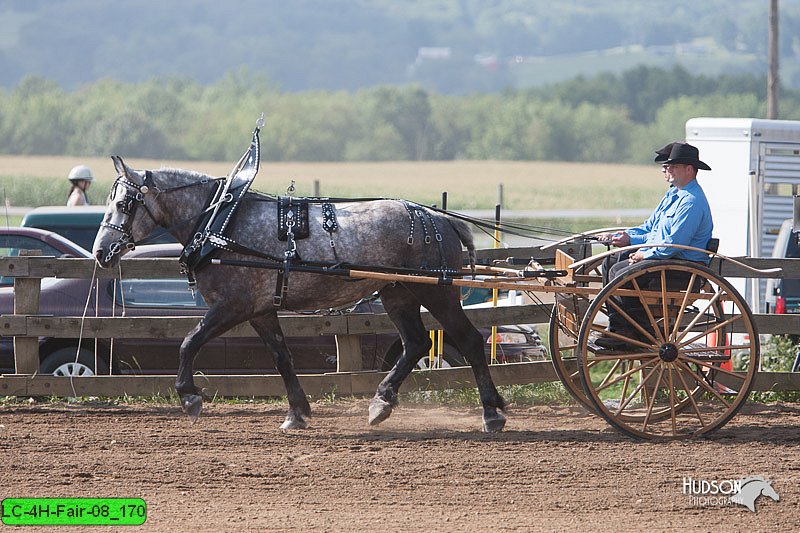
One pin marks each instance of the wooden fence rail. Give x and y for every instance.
(26, 325)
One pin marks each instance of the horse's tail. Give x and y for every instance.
(465, 235)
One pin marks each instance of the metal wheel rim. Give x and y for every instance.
(73, 370)
(439, 362)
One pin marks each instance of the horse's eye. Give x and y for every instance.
(121, 204)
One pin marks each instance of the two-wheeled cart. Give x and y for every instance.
(688, 369)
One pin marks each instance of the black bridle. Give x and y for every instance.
(134, 197)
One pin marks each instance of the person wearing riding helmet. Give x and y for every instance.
(81, 178)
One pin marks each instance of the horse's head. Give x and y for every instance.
(128, 218)
(751, 488)
(770, 492)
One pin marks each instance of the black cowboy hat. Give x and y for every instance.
(683, 153)
(662, 154)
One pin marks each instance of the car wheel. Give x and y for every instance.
(451, 357)
(63, 363)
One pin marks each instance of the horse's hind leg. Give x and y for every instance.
(444, 304)
(269, 329)
(403, 309)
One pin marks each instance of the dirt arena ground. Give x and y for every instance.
(427, 468)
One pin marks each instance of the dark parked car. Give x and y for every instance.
(164, 297)
(233, 355)
(16, 242)
(518, 343)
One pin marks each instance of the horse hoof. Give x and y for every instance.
(379, 410)
(294, 423)
(494, 423)
(192, 405)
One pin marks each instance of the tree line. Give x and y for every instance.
(607, 118)
(346, 45)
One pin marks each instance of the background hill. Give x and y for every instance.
(449, 46)
(381, 80)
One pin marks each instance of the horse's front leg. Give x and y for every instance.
(269, 329)
(215, 322)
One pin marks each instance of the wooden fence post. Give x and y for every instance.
(26, 302)
(348, 353)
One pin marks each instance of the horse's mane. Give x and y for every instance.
(193, 174)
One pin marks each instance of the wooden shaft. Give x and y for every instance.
(487, 284)
(507, 272)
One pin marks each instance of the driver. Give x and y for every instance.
(682, 217)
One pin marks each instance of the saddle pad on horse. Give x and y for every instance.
(292, 214)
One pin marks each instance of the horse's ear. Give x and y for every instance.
(119, 165)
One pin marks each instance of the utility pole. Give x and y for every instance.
(772, 75)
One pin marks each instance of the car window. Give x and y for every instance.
(157, 293)
(83, 237)
(19, 245)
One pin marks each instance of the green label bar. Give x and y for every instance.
(73, 511)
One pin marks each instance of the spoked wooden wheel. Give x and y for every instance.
(565, 322)
(682, 373)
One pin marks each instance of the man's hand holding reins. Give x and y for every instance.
(615, 239)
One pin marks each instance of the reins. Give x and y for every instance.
(135, 195)
(709, 253)
(486, 225)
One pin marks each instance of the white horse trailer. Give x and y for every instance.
(755, 174)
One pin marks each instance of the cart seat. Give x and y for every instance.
(673, 304)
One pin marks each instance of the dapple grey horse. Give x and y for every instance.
(369, 233)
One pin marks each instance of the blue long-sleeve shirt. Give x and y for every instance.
(682, 217)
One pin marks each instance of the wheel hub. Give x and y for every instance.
(668, 352)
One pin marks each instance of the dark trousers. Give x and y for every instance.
(617, 265)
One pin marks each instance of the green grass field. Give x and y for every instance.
(527, 185)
